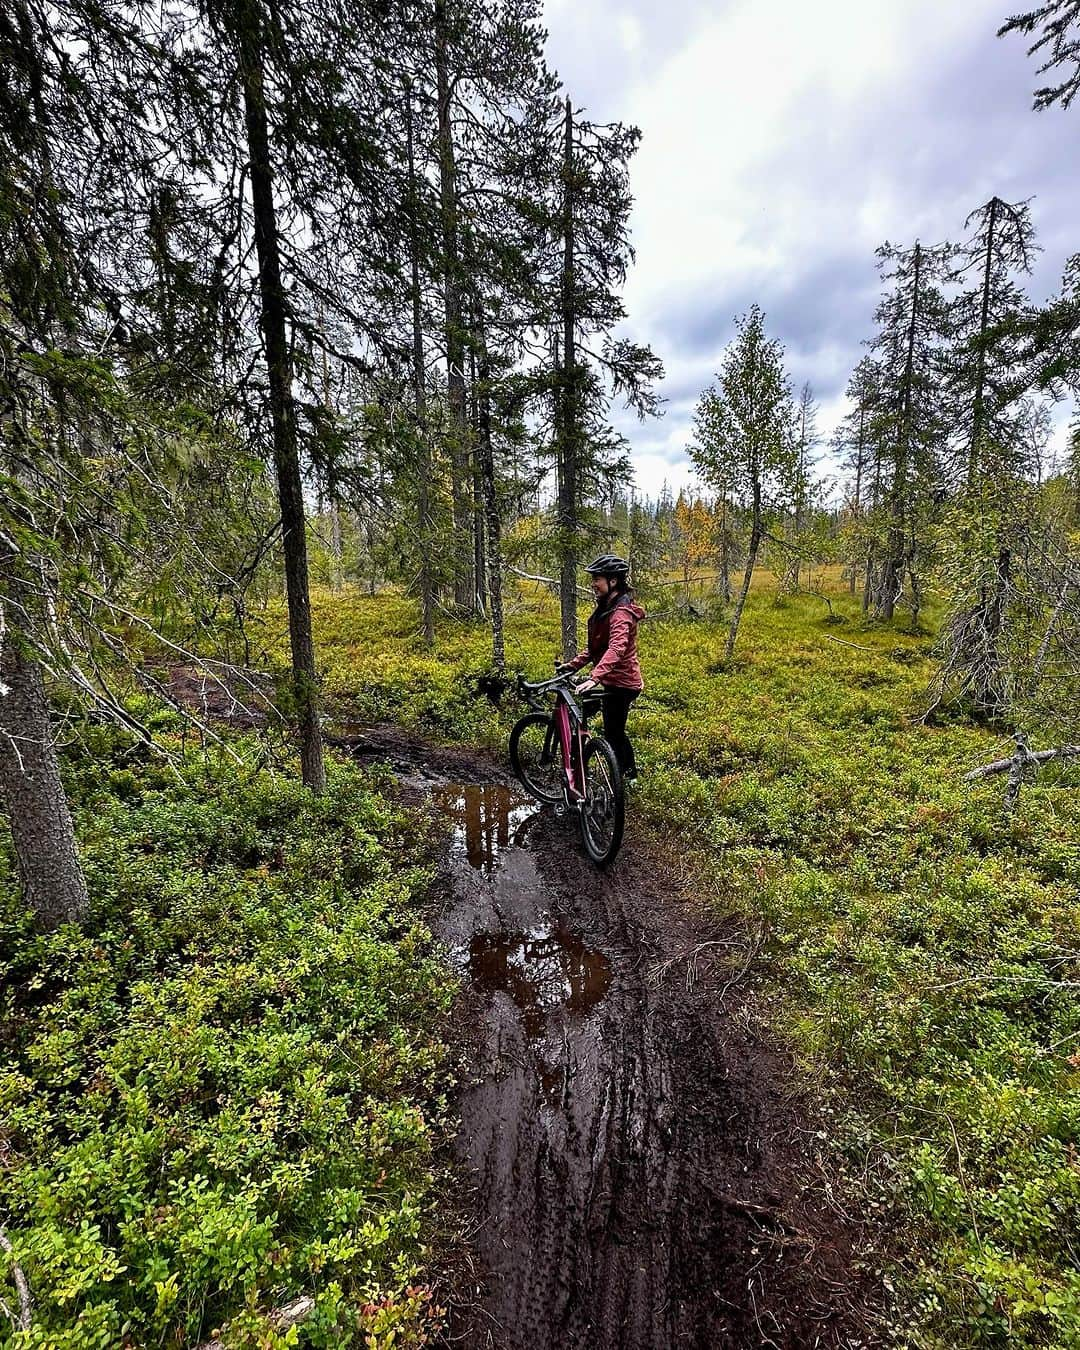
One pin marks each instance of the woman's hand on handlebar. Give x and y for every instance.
(564, 667)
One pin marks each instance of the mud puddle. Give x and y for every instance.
(643, 1177)
(486, 817)
(638, 1177)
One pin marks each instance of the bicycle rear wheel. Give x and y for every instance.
(536, 758)
(603, 812)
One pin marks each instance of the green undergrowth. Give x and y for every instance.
(920, 953)
(223, 1091)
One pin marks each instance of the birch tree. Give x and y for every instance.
(742, 437)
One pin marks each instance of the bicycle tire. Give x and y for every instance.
(602, 848)
(519, 762)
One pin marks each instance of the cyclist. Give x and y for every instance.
(612, 648)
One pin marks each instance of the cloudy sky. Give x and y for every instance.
(783, 141)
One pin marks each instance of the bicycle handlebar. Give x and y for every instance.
(542, 686)
(559, 684)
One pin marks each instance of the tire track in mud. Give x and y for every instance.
(638, 1174)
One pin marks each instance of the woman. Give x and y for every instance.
(612, 648)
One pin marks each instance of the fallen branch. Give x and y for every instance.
(679, 611)
(762, 1214)
(26, 1301)
(1032, 757)
(282, 1319)
(553, 582)
(1018, 764)
(858, 646)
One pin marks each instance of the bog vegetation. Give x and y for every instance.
(310, 324)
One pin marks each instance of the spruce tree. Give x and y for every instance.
(591, 253)
(858, 447)
(985, 348)
(1057, 46)
(912, 329)
(804, 442)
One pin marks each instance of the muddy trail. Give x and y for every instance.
(639, 1175)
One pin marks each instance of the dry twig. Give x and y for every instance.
(282, 1319)
(26, 1301)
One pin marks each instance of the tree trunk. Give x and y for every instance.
(913, 581)
(479, 562)
(332, 506)
(337, 579)
(464, 589)
(993, 697)
(569, 412)
(892, 573)
(978, 412)
(282, 412)
(423, 448)
(857, 504)
(491, 505)
(751, 559)
(869, 580)
(725, 554)
(32, 795)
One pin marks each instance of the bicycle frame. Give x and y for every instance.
(573, 747)
(590, 784)
(568, 722)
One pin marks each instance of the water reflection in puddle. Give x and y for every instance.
(485, 816)
(502, 947)
(541, 969)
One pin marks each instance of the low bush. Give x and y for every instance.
(221, 1091)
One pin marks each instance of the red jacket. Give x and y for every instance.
(613, 645)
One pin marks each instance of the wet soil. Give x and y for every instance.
(641, 1175)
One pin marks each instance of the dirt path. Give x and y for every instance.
(642, 1180)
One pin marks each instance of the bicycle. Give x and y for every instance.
(561, 764)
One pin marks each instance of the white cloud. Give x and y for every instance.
(782, 143)
(629, 29)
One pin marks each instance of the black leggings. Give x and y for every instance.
(616, 706)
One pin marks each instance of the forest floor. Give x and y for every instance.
(639, 1172)
(915, 951)
(827, 993)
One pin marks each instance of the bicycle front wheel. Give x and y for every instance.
(603, 812)
(536, 758)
